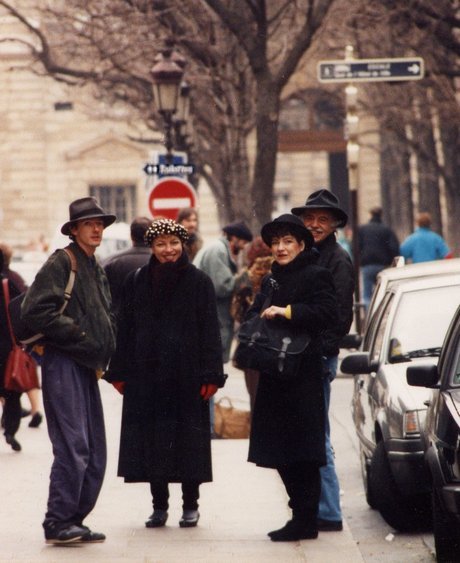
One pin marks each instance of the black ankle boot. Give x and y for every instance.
(294, 530)
(157, 519)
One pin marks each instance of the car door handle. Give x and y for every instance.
(361, 383)
(427, 403)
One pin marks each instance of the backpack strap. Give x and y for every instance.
(71, 281)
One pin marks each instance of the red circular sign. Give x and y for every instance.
(169, 195)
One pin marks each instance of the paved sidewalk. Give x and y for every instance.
(237, 510)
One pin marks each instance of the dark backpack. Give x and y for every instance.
(22, 332)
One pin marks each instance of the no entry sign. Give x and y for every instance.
(169, 195)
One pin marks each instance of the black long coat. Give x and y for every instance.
(288, 422)
(168, 346)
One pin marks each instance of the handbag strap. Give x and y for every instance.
(268, 300)
(6, 297)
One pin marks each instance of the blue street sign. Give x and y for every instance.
(371, 70)
(176, 168)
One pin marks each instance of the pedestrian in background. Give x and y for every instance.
(33, 394)
(11, 417)
(118, 266)
(218, 260)
(79, 343)
(188, 218)
(424, 244)
(247, 285)
(288, 422)
(322, 215)
(378, 246)
(168, 364)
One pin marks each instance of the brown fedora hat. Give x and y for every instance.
(86, 208)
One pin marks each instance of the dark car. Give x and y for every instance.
(407, 328)
(441, 440)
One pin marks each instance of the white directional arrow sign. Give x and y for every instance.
(371, 70)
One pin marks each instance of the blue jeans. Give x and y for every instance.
(329, 503)
(369, 275)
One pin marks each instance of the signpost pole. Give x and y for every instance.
(351, 133)
(349, 71)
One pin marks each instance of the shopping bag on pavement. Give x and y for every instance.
(230, 422)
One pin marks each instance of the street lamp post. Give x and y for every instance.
(181, 117)
(167, 75)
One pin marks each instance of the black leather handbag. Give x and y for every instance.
(272, 346)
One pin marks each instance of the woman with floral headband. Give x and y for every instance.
(168, 363)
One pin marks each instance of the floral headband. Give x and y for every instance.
(165, 227)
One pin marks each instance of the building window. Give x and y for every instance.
(63, 106)
(116, 200)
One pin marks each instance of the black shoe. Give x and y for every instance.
(36, 420)
(157, 519)
(92, 537)
(71, 534)
(329, 525)
(294, 530)
(189, 519)
(25, 412)
(11, 440)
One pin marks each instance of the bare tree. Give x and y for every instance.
(418, 119)
(241, 55)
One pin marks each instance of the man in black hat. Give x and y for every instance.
(78, 346)
(322, 215)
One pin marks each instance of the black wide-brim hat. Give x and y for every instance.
(86, 208)
(289, 223)
(323, 199)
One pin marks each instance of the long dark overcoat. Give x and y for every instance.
(168, 346)
(288, 423)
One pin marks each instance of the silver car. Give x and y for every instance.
(407, 328)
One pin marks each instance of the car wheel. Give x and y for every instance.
(370, 496)
(407, 514)
(446, 532)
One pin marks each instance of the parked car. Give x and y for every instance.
(395, 274)
(441, 440)
(408, 327)
(401, 271)
(27, 264)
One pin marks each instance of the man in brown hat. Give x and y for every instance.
(78, 346)
(322, 215)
